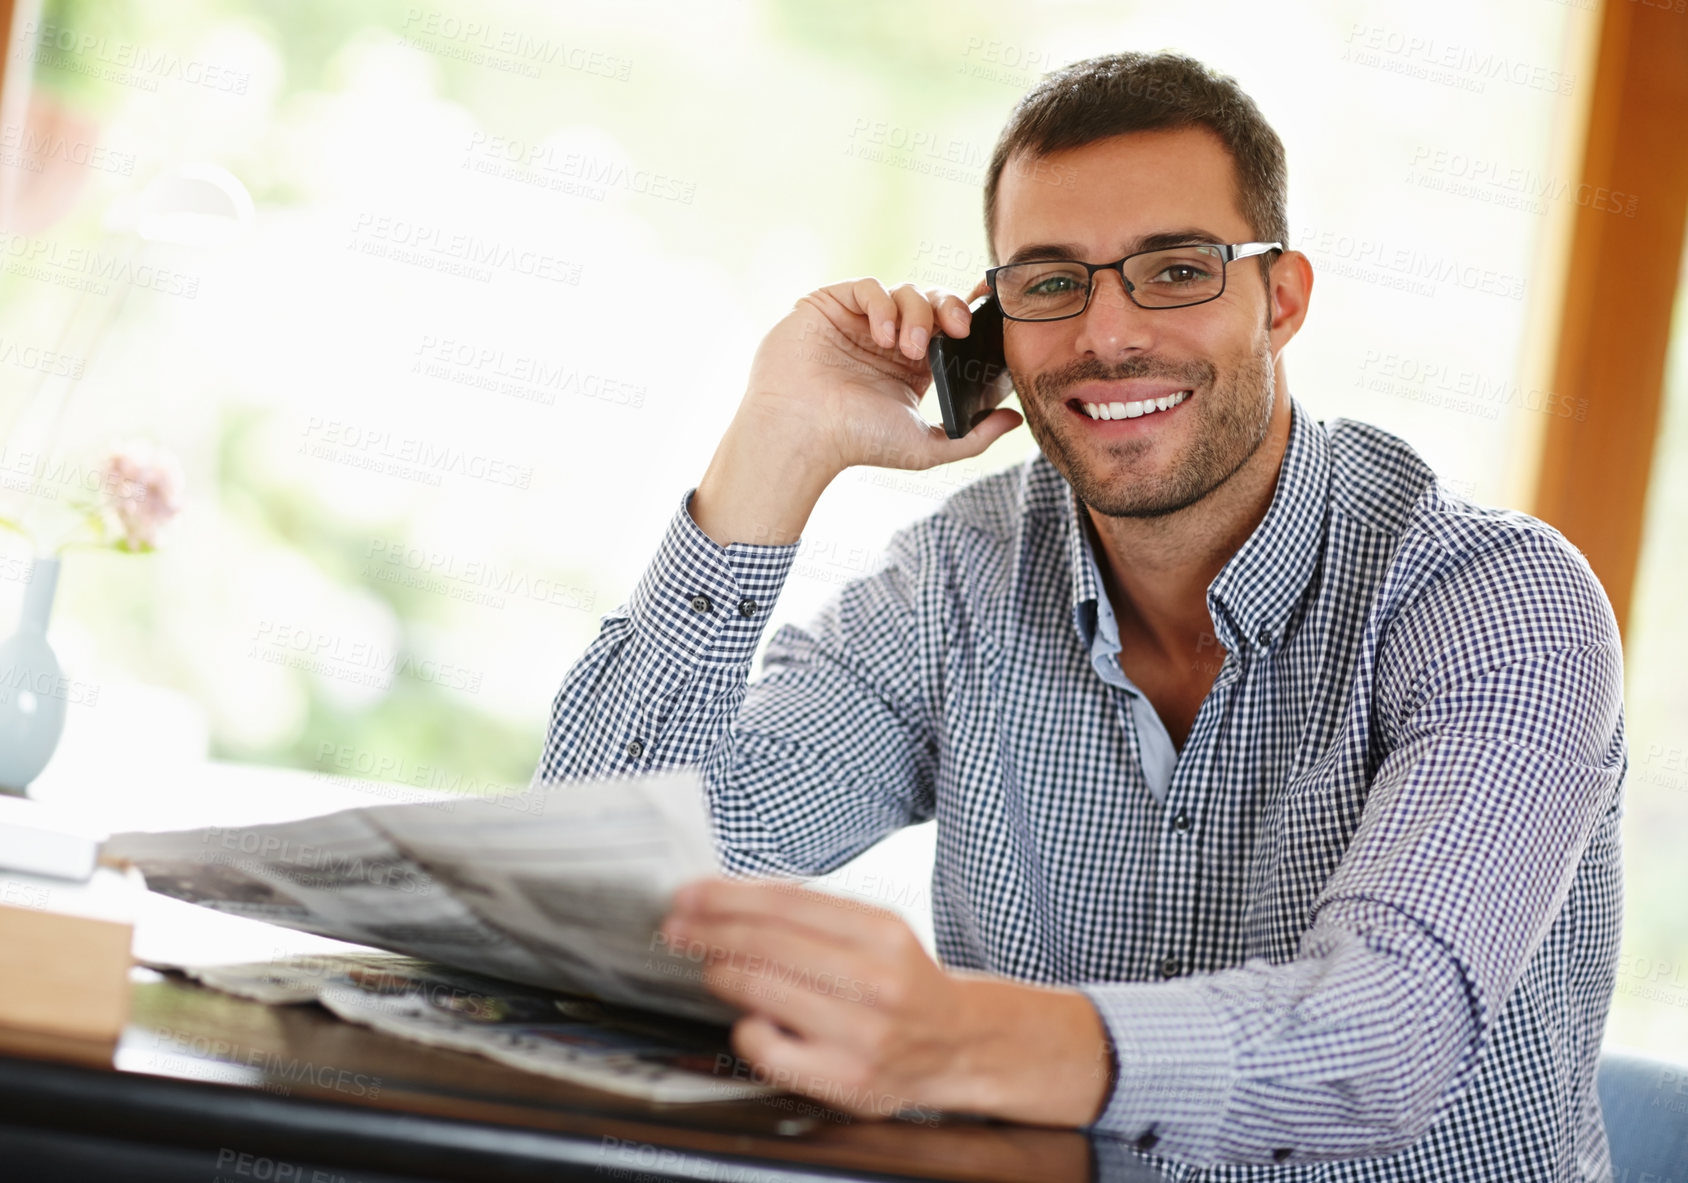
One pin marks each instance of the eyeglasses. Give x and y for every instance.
(1173, 277)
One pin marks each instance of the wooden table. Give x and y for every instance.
(205, 1086)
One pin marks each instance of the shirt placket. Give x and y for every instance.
(1125, 715)
(1178, 901)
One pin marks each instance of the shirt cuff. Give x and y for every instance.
(703, 602)
(1175, 1063)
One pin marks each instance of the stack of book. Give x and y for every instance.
(66, 927)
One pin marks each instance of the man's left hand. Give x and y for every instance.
(844, 1005)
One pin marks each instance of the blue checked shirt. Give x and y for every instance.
(1369, 933)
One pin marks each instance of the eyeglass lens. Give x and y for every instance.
(1159, 279)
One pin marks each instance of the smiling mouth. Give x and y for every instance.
(1130, 410)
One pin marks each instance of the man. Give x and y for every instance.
(1277, 789)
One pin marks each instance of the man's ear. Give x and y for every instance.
(1288, 296)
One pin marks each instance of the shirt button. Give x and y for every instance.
(701, 603)
(1181, 821)
(1169, 967)
(747, 607)
(1281, 1154)
(1147, 1142)
(1265, 637)
(636, 749)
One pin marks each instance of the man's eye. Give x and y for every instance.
(1052, 285)
(1181, 273)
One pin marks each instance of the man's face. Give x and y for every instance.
(1122, 191)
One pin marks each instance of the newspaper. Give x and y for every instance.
(562, 887)
(561, 1036)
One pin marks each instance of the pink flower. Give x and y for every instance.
(143, 488)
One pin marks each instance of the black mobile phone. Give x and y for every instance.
(970, 373)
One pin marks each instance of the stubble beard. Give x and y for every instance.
(1231, 422)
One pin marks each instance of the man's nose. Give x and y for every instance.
(1112, 324)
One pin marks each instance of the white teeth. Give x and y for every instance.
(1134, 410)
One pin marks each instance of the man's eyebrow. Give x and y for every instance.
(1148, 242)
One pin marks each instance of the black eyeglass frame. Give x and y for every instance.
(1228, 253)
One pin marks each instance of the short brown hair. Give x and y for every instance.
(1117, 93)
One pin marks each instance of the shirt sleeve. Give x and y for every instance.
(1499, 693)
(826, 753)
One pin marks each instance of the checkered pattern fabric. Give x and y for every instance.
(1370, 934)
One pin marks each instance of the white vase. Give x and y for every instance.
(32, 687)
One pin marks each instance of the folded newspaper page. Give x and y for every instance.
(563, 887)
(561, 1036)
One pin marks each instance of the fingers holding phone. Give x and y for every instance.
(845, 371)
(836, 383)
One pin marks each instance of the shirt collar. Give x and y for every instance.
(1253, 595)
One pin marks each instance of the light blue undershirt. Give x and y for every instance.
(1154, 745)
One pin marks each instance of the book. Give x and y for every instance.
(38, 840)
(65, 956)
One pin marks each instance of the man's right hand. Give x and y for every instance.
(836, 383)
